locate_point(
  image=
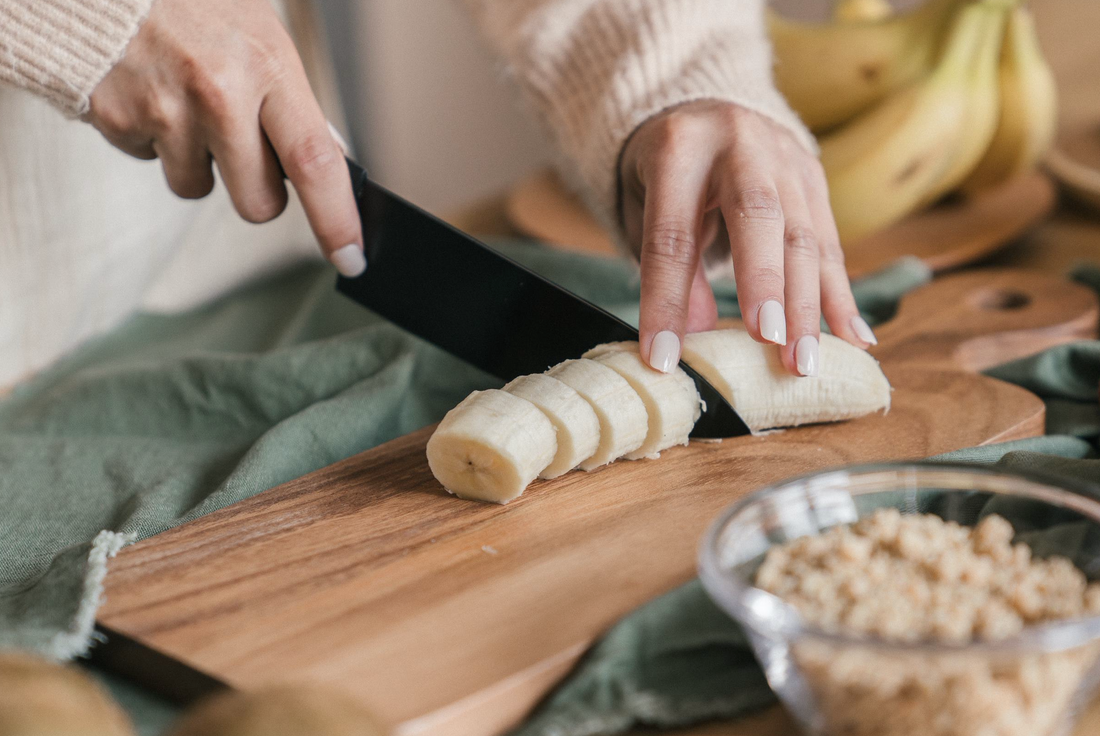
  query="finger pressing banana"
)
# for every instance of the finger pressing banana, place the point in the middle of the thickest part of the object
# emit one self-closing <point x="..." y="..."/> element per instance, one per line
<point x="609" y="405"/>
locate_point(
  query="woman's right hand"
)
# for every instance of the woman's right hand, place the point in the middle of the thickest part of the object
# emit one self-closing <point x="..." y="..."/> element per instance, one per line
<point x="220" y="81"/>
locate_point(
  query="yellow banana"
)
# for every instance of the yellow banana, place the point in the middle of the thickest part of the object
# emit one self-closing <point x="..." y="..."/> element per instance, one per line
<point x="1029" y="108"/>
<point x="885" y="163"/>
<point x="831" y="72"/>
<point x="983" y="109"/>
<point x="862" y="11"/>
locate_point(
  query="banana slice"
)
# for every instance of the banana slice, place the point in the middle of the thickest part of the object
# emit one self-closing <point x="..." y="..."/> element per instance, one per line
<point x="491" y="446"/>
<point x="751" y="377"/>
<point x="670" y="399"/>
<point x="573" y="417"/>
<point x="622" y="414"/>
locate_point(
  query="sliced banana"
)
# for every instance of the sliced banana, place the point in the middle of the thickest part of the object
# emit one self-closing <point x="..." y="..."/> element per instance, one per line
<point x="751" y="377"/>
<point x="671" y="400"/>
<point x="491" y="446"/>
<point x="622" y="414"/>
<point x="578" y="427"/>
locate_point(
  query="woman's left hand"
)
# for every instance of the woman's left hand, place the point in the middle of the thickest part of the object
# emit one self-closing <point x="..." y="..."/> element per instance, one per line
<point x="691" y="165"/>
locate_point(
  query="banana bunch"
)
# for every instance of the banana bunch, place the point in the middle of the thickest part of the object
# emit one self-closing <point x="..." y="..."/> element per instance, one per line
<point x="954" y="96"/>
<point x="610" y="405"/>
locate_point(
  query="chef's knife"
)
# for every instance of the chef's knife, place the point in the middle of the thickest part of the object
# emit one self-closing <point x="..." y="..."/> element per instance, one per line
<point x="449" y="289"/>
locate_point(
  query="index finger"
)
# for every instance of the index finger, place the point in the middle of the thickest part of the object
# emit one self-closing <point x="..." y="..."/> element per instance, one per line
<point x="314" y="163"/>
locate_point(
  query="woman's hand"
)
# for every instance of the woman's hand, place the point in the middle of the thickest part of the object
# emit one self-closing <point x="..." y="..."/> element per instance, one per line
<point x="221" y="81"/>
<point x="688" y="167"/>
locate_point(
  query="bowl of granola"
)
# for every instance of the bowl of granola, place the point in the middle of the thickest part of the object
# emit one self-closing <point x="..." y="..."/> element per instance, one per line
<point x="931" y="599"/>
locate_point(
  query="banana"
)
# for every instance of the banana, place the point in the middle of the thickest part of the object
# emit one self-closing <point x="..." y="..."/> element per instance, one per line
<point x="623" y="419"/>
<point x="671" y="401"/>
<point x="1029" y="108"/>
<point x="832" y="72"/>
<point x="578" y="427"/>
<point x="983" y="108"/>
<point x="491" y="446"/>
<point x="887" y="162"/>
<point x="862" y="11"/>
<point x="751" y="377"/>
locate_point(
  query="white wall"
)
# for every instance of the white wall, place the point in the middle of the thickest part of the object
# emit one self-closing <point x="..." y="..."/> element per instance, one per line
<point x="433" y="117"/>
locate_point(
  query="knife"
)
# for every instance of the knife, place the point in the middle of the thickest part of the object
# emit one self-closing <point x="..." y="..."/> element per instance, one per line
<point x="444" y="286"/>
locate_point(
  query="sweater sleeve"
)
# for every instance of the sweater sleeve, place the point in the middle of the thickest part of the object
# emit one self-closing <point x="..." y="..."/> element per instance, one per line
<point x="61" y="49"/>
<point x="594" y="70"/>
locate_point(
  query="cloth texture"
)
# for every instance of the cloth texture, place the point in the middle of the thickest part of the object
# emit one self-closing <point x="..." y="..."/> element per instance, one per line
<point x="594" y="70"/>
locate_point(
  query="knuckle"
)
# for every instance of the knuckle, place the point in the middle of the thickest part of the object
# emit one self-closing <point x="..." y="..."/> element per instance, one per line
<point x="804" y="311"/>
<point x="671" y="243"/>
<point x="832" y="255"/>
<point x="312" y="158"/>
<point x="675" y="132"/>
<point x="262" y="208"/>
<point x="800" y="240"/>
<point x="211" y="88"/>
<point x="758" y="203"/>
<point x="768" y="279"/>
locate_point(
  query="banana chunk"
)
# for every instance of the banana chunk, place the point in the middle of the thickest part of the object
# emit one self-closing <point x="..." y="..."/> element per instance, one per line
<point x="578" y="427"/>
<point x="750" y="376"/>
<point x="624" y="422"/>
<point x="670" y="399"/>
<point x="491" y="446"/>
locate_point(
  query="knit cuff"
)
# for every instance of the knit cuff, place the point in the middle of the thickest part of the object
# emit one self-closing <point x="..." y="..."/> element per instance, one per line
<point x="597" y="69"/>
<point x="62" y="49"/>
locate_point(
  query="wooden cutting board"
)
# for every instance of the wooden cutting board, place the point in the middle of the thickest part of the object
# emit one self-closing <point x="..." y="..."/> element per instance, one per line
<point x="946" y="236"/>
<point x="453" y="617"/>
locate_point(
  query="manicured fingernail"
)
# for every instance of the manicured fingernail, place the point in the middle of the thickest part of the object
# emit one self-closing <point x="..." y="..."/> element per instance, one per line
<point x="773" y="323"/>
<point x="863" y="330"/>
<point x="339" y="139"/>
<point x="349" y="260"/>
<point x="807" y="356"/>
<point x="664" y="352"/>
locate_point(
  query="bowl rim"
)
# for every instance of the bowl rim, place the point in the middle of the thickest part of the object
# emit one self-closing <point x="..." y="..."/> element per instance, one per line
<point x="728" y="593"/>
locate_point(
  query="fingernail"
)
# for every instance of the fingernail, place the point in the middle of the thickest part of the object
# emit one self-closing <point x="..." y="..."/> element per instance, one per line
<point x="863" y="330"/>
<point x="664" y="351"/>
<point x="807" y="355"/>
<point x="773" y="323"/>
<point x="349" y="260"/>
<point x="339" y="139"/>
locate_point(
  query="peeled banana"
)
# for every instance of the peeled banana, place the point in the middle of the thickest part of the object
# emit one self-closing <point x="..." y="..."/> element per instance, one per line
<point x="1028" y="111"/>
<point x="578" y="427"/>
<point x="624" y="422"/>
<point x="610" y="405"/>
<point x="886" y="163"/>
<point x="671" y="399"/>
<point x="832" y="72"/>
<point x="751" y="377"/>
<point x="491" y="446"/>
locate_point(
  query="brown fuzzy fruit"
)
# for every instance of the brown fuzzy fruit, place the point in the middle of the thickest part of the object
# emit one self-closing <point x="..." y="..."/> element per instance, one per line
<point x="284" y="710"/>
<point x="41" y="698"/>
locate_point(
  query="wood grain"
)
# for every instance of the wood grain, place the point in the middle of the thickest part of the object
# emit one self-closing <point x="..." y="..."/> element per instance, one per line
<point x="947" y="236"/>
<point x="451" y="617"/>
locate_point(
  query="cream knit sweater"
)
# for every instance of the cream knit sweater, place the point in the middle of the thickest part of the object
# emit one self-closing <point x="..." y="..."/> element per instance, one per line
<point x="592" y="71"/>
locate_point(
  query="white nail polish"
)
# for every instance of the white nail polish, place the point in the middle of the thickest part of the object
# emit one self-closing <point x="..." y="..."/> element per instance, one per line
<point x="664" y="351"/>
<point x="773" y="322"/>
<point x="349" y="260"/>
<point x="807" y="355"/>
<point x="863" y="330"/>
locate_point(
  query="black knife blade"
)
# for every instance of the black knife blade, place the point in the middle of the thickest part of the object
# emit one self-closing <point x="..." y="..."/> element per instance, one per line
<point x="462" y="296"/>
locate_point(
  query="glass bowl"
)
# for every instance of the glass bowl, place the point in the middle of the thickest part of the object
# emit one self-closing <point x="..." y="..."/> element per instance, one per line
<point x="1035" y="683"/>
